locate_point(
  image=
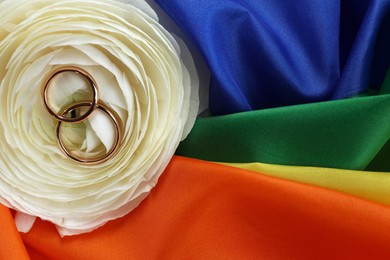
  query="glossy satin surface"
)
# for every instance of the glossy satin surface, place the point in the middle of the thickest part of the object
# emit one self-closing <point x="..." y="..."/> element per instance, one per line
<point x="266" y="53"/>
<point x="372" y="186"/>
<point x="295" y="83"/>
<point x="346" y="134"/>
<point x="206" y="210"/>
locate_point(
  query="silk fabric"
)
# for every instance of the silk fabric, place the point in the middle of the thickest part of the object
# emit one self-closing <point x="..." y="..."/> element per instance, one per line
<point x="346" y="134"/>
<point x="373" y="186"/>
<point x="206" y="210"/>
<point x="275" y="53"/>
<point x="269" y="60"/>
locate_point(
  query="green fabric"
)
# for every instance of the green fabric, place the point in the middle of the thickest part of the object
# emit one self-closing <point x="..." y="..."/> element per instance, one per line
<point x="344" y="134"/>
<point x="381" y="162"/>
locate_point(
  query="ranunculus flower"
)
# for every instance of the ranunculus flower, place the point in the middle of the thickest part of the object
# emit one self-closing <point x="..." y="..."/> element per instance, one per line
<point x="140" y="74"/>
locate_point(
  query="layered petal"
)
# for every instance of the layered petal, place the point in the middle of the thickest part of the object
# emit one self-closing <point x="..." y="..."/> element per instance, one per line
<point x="140" y="73"/>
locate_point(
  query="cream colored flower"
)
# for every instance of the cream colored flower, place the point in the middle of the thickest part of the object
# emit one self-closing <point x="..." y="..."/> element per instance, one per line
<point x="140" y="75"/>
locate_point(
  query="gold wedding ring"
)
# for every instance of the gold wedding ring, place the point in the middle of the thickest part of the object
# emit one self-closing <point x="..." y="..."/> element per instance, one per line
<point x="93" y="105"/>
<point x="118" y="133"/>
<point x="86" y="76"/>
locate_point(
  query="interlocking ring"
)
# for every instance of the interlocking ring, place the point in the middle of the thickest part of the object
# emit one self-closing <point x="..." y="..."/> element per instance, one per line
<point x="94" y="104"/>
<point x="85" y="75"/>
<point x="118" y="133"/>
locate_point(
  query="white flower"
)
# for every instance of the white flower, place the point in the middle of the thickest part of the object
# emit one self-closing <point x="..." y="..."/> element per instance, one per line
<point x="140" y="75"/>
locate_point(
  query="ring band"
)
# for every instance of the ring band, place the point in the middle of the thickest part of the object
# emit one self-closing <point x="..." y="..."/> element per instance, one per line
<point x="118" y="133"/>
<point x="62" y="116"/>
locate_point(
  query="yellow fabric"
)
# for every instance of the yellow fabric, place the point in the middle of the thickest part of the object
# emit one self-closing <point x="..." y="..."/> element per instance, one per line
<point x="374" y="186"/>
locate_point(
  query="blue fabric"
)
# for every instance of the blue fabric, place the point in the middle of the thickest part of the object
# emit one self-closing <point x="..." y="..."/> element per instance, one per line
<point x="270" y="53"/>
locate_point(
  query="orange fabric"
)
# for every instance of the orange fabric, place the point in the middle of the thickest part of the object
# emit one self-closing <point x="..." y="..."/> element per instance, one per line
<point x="11" y="245"/>
<point x="211" y="211"/>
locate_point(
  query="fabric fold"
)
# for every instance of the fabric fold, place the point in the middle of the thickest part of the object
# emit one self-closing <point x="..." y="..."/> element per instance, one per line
<point x="11" y="244"/>
<point x="204" y="210"/>
<point x="373" y="186"/>
<point x="344" y="134"/>
<point x="279" y="53"/>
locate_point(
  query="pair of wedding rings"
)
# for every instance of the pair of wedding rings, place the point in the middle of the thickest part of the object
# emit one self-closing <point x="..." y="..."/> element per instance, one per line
<point x="69" y="115"/>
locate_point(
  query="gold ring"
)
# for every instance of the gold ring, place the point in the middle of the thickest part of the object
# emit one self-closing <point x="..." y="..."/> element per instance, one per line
<point x="118" y="133"/>
<point x="61" y="116"/>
